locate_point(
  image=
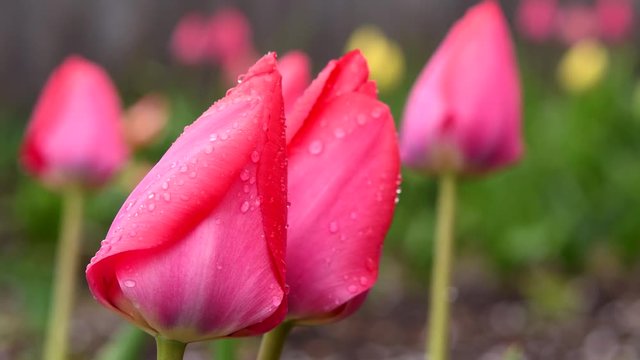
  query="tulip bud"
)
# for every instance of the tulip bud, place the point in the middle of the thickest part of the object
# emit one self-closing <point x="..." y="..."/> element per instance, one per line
<point x="615" y="19"/>
<point x="295" y="68"/>
<point x="75" y="134"/>
<point x="463" y="113"/>
<point x="536" y="19"/>
<point x="189" y="41"/>
<point x="197" y="250"/>
<point x="343" y="176"/>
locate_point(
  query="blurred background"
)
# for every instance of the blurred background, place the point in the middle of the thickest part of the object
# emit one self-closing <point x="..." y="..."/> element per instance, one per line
<point x="548" y="252"/>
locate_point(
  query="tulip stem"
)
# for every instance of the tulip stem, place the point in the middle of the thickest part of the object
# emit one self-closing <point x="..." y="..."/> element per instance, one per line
<point x="441" y="275"/>
<point x="224" y="349"/>
<point x="65" y="275"/>
<point x="169" y="349"/>
<point x="273" y="342"/>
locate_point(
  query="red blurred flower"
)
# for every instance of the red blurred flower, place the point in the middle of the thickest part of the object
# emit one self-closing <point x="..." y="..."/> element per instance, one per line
<point x="536" y="19"/>
<point x="197" y="250"/>
<point x="343" y="176"/>
<point x="189" y="41"/>
<point x="463" y="113"/>
<point x="75" y="134"/>
<point x="295" y="68"/>
<point x="615" y="19"/>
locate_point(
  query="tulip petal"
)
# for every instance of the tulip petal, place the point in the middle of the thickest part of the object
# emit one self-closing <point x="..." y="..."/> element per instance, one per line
<point x="295" y="68"/>
<point x="343" y="176"/>
<point x="174" y="260"/>
<point x="341" y="76"/>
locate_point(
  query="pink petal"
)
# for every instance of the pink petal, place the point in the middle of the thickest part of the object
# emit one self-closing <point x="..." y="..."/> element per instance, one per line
<point x="197" y="250"/>
<point x="295" y="68"/>
<point x="343" y="176"/>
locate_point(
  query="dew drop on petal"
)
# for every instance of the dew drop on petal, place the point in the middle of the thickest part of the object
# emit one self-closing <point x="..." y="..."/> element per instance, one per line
<point x="333" y="227"/>
<point x="338" y="133"/>
<point x="244" y="207"/>
<point x="361" y="119"/>
<point x="364" y="281"/>
<point x="352" y="288"/>
<point x="315" y="147"/>
<point x="129" y="283"/>
<point x="152" y="207"/>
<point x="166" y="197"/>
<point x="255" y="156"/>
<point x="245" y="175"/>
<point x="165" y="185"/>
<point x="370" y="264"/>
<point x="208" y="149"/>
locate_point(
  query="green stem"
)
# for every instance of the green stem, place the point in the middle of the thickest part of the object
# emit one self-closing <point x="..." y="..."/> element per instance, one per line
<point x="224" y="349"/>
<point x="65" y="275"/>
<point x="273" y="342"/>
<point x="441" y="276"/>
<point x="169" y="349"/>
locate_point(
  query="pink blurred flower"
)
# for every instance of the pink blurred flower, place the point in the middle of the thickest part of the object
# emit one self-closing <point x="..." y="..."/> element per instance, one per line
<point x="295" y="68"/>
<point x="615" y="19"/>
<point x="145" y="120"/>
<point x="230" y="36"/>
<point x="75" y="134"/>
<point x="577" y="22"/>
<point x="343" y="176"/>
<point x="190" y="42"/>
<point x="463" y="113"/>
<point x="197" y="250"/>
<point x="536" y="19"/>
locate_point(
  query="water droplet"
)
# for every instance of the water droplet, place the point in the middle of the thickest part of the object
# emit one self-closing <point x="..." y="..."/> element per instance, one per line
<point x="370" y="264"/>
<point x="244" y="207"/>
<point x="133" y="233"/>
<point x="255" y="156"/>
<point x="315" y="147"/>
<point x="165" y="185"/>
<point x="183" y="168"/>
<point x="245" y="175"/>
<point x="151" y="196"/>
<point x="364" y="281"/>
<point x="275" y="301"/>
<point x="152" y="206"/>
<point x="352" y="288"/>
<point x="333" y="227"/>
<point x="339" y="133"/>
<point x="208" y="149"/>
<point x="219" y="267"/>
<point x="361" y="119"/>
<point x="376" y="113"/>
<point x="129" y="283"/>
<point x="353" y="215"/>
<point x="193" y="174"/>
<point x="224" y="136"/>
<point x="213" y="137"/>
<point x="252" y="180"/>
<point x="246" y="188"/>
<point x="218" y="221"/>
<point x="241" y="78"/>
<point x="166" y="197"/>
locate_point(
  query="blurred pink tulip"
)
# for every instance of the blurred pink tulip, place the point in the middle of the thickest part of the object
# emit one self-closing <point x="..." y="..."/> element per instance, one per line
<point x="189" y="42"/>
<point x="577" y="22"/>
<point x="75" y="134"/>
<point x="615" y="19"/>
<point x="230" y="37"/>
<point x="463" y="113"/>
<point x="295" y="68"/>
<point x="145" y="120"/>
<point x="343" y="177"/>
<point x="197" y="250"/>
<point x="536" y="19"/>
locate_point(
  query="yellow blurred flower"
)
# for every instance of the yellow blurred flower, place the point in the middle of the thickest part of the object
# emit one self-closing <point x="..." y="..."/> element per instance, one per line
<point x="384" y="56"/>
<point x="583" y="66"/>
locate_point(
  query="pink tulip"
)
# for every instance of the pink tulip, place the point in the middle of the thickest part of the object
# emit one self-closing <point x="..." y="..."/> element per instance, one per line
<point x="189" y="42"/>
<point x="75" y="134"/>
<point x="343" y="176"/>
<point x="295" y="68"/>
<point x="615" y="19"/>
<point x="463" y="113"/>
<point x="229" y="35"/>
<point x="577" y="22"/>
<point x="536" y="19"/>
<point x="197" y="250"/>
